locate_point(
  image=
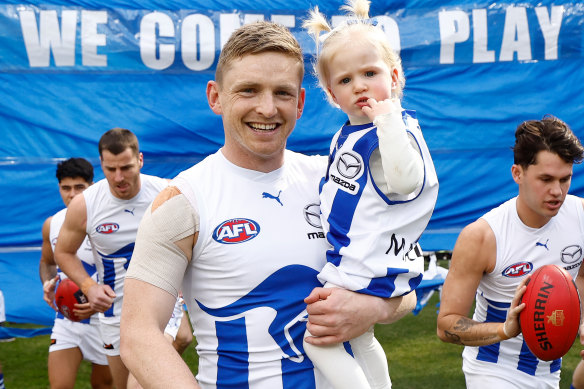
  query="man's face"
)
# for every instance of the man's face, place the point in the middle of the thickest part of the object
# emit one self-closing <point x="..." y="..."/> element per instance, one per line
<point x="70" y="187"/>
<point x="122" y="172"/>
<point x="259" y="99"/>
<point x="542" y="188"/>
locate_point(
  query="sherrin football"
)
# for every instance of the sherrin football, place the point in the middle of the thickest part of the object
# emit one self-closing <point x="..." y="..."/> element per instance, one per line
<point x="66" y="296"/>
<point x="551" y="316"/>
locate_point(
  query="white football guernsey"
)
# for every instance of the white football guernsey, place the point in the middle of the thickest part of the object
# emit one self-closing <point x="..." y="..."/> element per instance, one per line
<point x="259" y="249"/>
<point x="112" y="224"/>
<point x="370" y="233"/>
<point x="84" y="253"/>
<point x="521" y="250"/>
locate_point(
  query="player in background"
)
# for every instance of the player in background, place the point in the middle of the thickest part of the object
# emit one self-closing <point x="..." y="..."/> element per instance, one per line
<point x="235" y="232"/>
<point x="493" y="257"/>
<point x="380" y="188"/>
<point x="108" y="214"/>
<point x="71" y="342"/>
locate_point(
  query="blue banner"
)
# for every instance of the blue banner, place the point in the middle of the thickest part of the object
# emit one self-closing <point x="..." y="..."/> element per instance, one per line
<point x="70" y="70"/>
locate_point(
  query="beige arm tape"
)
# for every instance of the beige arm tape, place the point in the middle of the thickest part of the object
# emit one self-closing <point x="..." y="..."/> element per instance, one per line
<point x="403" y="167"/>
<point x="157" y="260"/>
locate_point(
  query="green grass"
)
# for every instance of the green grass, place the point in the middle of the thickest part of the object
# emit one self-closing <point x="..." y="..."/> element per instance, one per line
<point x="417" y="358"/>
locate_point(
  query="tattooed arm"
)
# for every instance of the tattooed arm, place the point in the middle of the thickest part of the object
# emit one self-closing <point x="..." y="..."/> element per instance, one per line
<point x="474" y="254"/>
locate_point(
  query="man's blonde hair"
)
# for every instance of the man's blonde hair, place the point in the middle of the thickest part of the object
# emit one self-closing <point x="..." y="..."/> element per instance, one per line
<point x="257" y="38"/>
<point x="358" y="23"/>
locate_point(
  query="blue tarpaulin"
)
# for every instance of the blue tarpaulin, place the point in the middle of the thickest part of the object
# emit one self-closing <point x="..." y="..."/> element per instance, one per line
<point x="70" y="70"/>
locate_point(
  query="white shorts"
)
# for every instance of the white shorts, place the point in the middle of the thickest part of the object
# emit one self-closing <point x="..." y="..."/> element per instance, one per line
<point x="486" y="375"/>
<point x="110" y="336"/>
<point x="67" y="334"/>
<point x="176" y="318"/>
<point x="2" y="308"/>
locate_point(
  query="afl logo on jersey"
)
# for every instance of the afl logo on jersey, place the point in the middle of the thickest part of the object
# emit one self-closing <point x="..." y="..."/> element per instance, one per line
<point x="236" y="231"/>
<point x="518" y="269"/>
<point x="107" y="228"/>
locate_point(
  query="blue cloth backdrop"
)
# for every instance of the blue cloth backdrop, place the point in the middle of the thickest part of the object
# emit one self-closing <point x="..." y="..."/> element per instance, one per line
<point x="70" y="70"/>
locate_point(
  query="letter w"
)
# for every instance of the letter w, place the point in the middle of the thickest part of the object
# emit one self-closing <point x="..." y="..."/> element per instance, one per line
<point x="40" y="41"/>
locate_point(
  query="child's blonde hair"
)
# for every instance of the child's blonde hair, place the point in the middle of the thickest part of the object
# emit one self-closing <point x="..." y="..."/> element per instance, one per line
<point x="358" y="21"/>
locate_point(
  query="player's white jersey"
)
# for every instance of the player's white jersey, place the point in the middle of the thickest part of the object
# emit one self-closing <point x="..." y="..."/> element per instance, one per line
<point x="560" y="242"/>
<point x="84" y="253"/>
<point x="259" y="249"/>
<point x="370" y="233"/>
<point x="112" y="224"/>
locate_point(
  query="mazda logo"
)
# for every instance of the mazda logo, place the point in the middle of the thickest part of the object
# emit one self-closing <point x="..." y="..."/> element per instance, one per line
<point x="349" y="165"/>
<point x="312" y="215"/>
<point x="571" y="254"/>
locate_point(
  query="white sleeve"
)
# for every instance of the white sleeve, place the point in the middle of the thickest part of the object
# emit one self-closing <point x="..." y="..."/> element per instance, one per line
<point x="403" y="167"/>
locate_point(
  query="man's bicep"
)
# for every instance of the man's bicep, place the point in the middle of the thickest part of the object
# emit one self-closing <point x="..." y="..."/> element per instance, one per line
<point x="72" y="231"/>
<point x="473" y="256"/>
<point x="47" y="256"/>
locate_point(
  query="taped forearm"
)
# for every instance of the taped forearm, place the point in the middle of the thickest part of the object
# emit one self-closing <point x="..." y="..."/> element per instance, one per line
<point x="403" y="167"/>
<point x="156" y="258"/>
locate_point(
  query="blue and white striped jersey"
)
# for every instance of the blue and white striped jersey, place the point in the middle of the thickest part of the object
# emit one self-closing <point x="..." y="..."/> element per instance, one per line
<point x="259" y="249"/>
<point x="112" y="225"/>
<point x="520" y="251"/>
<point x="370" y="232"/>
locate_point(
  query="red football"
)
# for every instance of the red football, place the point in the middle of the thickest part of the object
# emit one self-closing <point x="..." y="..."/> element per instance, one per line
<point x="551" y="316"/>
<point x="66" y="296"/>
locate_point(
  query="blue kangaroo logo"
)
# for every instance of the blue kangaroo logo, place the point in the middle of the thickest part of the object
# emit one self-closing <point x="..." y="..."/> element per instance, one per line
<point x="267" y="195"/>
<point x="288" y="327"/>
<point x="109" y="268"/>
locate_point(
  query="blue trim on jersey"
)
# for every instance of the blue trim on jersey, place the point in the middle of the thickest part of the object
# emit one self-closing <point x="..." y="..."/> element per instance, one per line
<point x="298" y="375"/>
<point x="287" y="329"/>
<point x="527" y="361"/>
<point x="556" y="365"/>
<point x="344" y="203"/>
<point x="109" y="270"/>
<point x="384" y="286"/>
<point x="90" y="269"/>
<point x="232" y="372"/>
<point x="496" y="313"/>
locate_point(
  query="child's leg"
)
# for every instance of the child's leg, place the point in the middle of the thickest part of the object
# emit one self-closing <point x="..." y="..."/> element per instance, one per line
<point x="371" y="357"/>
<point x="338" y="367"/>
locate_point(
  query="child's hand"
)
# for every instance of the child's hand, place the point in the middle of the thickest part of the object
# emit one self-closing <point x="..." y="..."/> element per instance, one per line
<point x="376" y="108"/>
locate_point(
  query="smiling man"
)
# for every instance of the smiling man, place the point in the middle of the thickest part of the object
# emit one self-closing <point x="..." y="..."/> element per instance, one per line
<point x="234" y="231"/>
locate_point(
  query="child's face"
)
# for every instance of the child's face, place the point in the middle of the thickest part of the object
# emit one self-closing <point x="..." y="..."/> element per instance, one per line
<point x="357" y="72"/>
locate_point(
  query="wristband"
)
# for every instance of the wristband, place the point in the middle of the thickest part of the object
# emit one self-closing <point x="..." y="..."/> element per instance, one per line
<point x="86" y="284"/>
<point x="501" y="332"/>
<point x="45" y="284"/>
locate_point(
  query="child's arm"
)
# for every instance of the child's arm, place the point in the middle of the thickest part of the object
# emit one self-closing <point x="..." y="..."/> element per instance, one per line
<point x="403" y="167"/>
